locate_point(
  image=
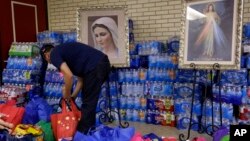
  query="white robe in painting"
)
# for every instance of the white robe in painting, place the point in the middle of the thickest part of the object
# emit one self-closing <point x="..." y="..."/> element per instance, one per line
<point x="211" y="35"/>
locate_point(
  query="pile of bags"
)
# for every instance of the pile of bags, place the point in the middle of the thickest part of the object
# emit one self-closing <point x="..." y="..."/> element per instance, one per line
<point x="36" y="122"/>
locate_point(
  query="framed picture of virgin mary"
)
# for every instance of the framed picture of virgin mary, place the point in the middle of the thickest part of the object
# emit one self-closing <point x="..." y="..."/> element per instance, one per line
<point x="106" y="29"/>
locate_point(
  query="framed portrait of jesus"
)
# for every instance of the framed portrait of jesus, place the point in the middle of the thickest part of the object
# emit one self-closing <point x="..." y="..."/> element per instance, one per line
<point x="211" y="34"/>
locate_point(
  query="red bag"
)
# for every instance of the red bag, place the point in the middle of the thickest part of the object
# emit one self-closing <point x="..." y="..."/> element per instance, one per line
<point x="10" y="113"/>
<point x="64" y="124"/>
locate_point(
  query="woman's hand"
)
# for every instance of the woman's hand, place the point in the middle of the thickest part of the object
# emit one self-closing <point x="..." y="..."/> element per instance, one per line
<point x="6" y="125"/>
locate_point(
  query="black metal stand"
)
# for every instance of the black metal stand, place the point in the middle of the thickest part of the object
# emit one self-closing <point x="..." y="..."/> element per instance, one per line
<point x="205" y="128"/>
<point x="201" y="129"/>
<point x="216" y="67"/>
<point x="106" y="114"/>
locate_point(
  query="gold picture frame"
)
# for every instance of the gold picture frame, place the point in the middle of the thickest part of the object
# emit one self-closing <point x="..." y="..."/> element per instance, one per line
<point x="211" y="33"/>
<point x="113" y="39"/>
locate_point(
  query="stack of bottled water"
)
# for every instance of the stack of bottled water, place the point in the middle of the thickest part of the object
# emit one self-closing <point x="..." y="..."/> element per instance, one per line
<point x="22" y="49"/>
<point x="23" y="67"/>
<point x="182" y="96"/>
<point x="227" y="114"/>
<point x="53" y="85"/>
<point x="187" y="76"/>
<point x="146" y="93"/>
<point x="49" y="37"/>
<point x="11" y="92"/>
<point x="244" y="108"/>
<point x="70" y="36"/>
<point x="149" y="47"/>
<point x="229" y="93"/>
<point x="232" y="90"/>
<point x="56" y="37"/>
<point x="234" y="77"/>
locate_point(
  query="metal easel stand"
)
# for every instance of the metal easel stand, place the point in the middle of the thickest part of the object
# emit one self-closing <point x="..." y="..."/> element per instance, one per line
<point x="216" y="67"/>
<point x="106" y="115"/>
<point x="203" y="129"/>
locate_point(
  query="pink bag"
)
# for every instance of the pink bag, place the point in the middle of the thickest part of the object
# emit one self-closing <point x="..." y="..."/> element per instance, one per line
<point x="137" y="137"/>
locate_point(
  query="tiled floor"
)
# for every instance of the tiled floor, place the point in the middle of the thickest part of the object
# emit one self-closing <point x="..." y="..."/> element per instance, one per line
<point x="165" y="131"/>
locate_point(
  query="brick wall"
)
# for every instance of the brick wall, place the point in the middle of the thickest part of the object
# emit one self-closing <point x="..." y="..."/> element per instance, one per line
<point x="153" y="19"/>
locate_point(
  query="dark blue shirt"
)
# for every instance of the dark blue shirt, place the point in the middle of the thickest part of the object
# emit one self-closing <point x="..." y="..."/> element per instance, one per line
<point x="79" y="57"/>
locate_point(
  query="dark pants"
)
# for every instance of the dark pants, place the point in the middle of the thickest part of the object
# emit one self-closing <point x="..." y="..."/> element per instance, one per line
<point x="92" y="83"/>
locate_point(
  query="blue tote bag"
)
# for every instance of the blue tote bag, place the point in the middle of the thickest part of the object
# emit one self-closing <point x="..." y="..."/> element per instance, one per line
<point x="105" y="133"/>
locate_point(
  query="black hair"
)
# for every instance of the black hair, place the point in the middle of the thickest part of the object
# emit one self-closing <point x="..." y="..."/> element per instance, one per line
<point x="46" y="48"/>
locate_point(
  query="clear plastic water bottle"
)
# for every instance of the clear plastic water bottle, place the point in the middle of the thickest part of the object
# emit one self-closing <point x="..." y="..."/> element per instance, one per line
<point x="140" y="88"/>
<point x="216" y="109"/>
<point x="244" y="95"/>
<point x="135" y="75"/>
<point x="150" y="74"/>
<point x="23" y="64"/>
<point x="123" y="88"/>
<point x="208" y="108"/>
<point x="123" y="101"/>
<point x="121" y="75"/>
<point x="215" y="91"/>
<point x="135" y="116"/>
<point x="197" y="108"/>
<point x="130" y="89"/>
<point x="149" y="117"/>
<point x="238" y="96"/>
<point x="137" y="104"/>
<point x="129" y="114"/>
<point x="9" y="63"/>
<point x="114" y="101"/>
<point x="147" y="88"/>
<point x="112" y="88"/>
<point x="135" y="89"/>
<point x="185" y="121"/>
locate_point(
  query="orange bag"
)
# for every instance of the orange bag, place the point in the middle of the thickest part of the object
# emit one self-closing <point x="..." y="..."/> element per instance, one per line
<point x="64" y="124"/>
<point x="11" y="113"/>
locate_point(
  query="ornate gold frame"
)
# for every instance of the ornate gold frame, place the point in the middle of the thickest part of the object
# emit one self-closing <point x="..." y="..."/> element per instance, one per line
<point x="185" y="41"/>
<point x="121" y="12"/>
